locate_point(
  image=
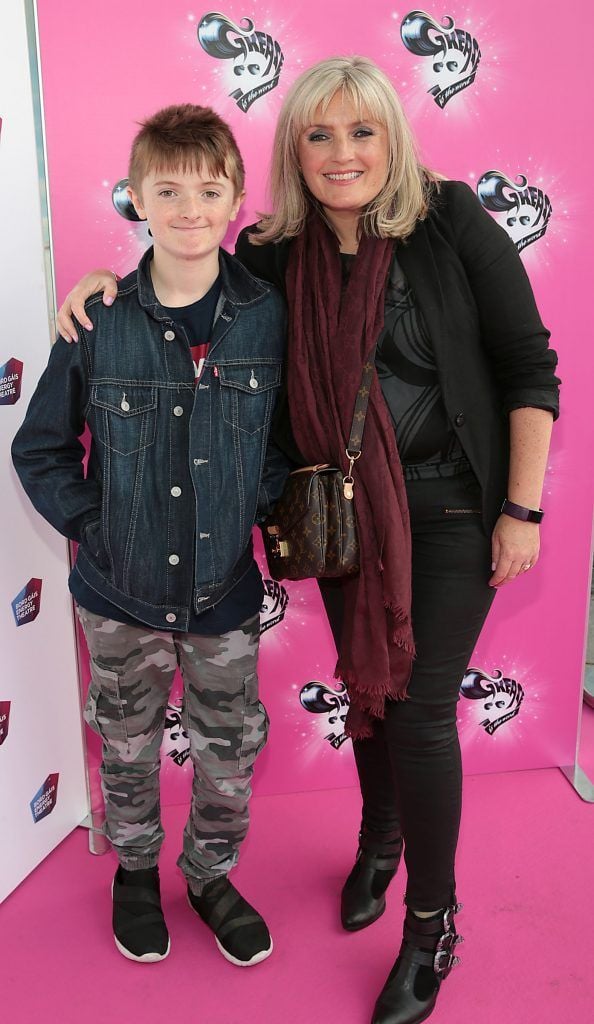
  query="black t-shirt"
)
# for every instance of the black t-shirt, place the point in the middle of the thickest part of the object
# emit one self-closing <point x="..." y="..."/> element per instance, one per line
<point x="407" y="372"/>
<point x="196" y="320"/>
<point x="405" y="362"/>
<point x="245" y="600"/>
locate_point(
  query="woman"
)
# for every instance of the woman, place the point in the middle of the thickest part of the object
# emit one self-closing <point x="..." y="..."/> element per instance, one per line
<point x="372" y="249"/>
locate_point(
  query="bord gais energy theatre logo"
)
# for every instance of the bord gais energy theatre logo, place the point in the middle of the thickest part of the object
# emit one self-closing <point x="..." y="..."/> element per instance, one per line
<point x="452" y="54"/>
<point x="27" y="603"/>
<point x="256" y="58"/>
<point x="4" y="719"/>
<point x="11" y="375"/>
<point x="45" y="798"/>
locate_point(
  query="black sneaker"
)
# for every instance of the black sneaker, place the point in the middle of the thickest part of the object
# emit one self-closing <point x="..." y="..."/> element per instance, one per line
<point x="139" y="927"/>
<point x="240" y="933"/>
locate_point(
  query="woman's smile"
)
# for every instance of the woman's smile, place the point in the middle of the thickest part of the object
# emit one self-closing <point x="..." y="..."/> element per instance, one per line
<point x="344" y="178"/>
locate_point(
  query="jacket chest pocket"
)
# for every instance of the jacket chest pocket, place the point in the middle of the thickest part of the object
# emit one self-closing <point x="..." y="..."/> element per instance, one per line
<point x="247" y="394"/>
<point x="126" y="416"/>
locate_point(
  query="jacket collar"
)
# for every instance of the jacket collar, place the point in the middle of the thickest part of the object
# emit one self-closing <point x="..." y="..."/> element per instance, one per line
<point x="238" y="286"/>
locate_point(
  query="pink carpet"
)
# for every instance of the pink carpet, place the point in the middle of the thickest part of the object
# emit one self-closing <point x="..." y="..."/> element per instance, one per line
<point x="525" y="876"/>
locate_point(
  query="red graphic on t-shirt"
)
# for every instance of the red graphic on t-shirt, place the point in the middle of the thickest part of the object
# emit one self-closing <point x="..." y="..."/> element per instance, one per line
<point x="199" y="354"/>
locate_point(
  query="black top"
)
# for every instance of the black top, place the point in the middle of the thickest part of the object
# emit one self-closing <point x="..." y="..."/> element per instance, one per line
<point x="490" y="345"/>
<point x="196" y="320"/>
<point x="406" y="369"/>
<point x="245" y="600"/>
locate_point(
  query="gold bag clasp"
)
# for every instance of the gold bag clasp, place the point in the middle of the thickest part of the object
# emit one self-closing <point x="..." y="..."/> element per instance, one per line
<point x="280" y="548"/>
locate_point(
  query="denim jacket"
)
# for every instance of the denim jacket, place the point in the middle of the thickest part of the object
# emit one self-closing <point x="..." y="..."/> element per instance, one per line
<point x="177" y="473"/>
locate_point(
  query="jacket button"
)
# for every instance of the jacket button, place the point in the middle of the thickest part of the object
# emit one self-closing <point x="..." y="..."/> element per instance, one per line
<point x="175" y="492"/>
<point x="173" y="559"/>
<point x="178" y="410"/>
<point x="170" y="617"/>
<point x="460" y="419"/>
<point x="169" y="335"/>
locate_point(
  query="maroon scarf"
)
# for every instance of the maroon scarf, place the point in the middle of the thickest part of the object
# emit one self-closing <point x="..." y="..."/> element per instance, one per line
<point x="329" y="340"/>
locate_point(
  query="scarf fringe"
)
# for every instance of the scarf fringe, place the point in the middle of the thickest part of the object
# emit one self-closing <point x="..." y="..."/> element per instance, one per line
<point x="362" y="730"/>
<point x="372" y="698"/>
<point x="397" y="611"/>
<point x="359" y="720"/>
<point x="404" y="643"/>
<point x="367" y="704"/>
<point x="402" y="634"/>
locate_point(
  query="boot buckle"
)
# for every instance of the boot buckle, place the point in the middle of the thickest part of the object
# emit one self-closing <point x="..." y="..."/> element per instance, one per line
<point x="445" y="958"/>
<point x="443" y="962"/>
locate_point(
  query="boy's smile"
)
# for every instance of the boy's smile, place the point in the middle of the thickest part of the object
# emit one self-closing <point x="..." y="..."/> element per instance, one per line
<point x="188" y="213"/>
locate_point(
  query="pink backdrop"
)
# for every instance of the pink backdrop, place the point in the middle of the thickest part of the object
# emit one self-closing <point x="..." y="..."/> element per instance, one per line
<point x="515" y="102"/>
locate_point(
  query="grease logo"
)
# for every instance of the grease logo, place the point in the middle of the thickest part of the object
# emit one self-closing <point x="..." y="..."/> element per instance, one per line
<point x="45" y="799"/>
<point x="11" y="375"/>
<point x="274" y="604"/>
<point x="500" y="697"/>
<point x="333" y="705"/>
<point x="122" y="202"/>
<point x="522" y="209"/>
<point x="4" y="719"/>
<point x="256" y="57"/>
<point x="27" y="603"/>
<point x="453" y="52"/>
<point x="176" y="743"/>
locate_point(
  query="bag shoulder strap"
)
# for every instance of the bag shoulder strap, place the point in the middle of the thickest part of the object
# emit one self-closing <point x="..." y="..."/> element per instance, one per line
<point x="361" y="403"/>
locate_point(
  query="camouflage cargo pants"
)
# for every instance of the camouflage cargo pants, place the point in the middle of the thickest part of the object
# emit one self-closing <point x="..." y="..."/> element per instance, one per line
<point x="132" y="670"/>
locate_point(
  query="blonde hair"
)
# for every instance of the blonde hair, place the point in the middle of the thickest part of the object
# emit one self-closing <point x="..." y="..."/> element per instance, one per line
<point x="185" y="137"/>
<point x="404" y="198"/>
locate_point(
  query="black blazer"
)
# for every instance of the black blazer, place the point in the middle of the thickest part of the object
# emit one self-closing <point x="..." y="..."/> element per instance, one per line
<point x="491" y="347"/>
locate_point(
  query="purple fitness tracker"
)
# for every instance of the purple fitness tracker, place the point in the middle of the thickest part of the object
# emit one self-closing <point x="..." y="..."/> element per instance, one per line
<point x="527" y="515"/>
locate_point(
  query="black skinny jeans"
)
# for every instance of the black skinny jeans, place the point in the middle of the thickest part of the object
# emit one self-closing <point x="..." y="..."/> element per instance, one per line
<point x="410" y="769"/>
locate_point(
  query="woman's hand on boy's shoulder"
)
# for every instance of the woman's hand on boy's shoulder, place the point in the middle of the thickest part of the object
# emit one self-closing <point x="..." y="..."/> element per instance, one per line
<point x="74" y="304"/>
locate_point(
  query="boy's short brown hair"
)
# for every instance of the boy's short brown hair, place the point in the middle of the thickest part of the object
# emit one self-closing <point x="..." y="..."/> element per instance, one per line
<point x="186" y="138"/>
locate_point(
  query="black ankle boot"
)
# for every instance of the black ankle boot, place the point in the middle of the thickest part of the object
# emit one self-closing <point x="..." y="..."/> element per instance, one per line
<point x="363" y="897"/>
<point x="426" y="957"/>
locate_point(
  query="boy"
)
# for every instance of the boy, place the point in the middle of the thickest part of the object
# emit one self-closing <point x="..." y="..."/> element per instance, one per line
<point x="177" y="385"/>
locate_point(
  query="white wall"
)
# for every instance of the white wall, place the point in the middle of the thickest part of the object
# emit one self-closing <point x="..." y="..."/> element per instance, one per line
<point x="38" y="672"/>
